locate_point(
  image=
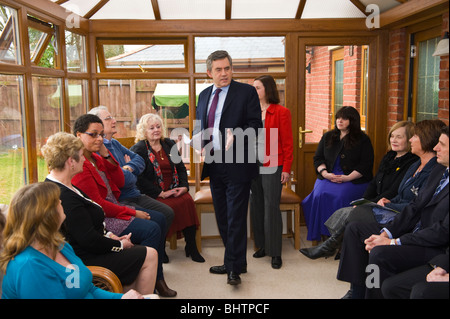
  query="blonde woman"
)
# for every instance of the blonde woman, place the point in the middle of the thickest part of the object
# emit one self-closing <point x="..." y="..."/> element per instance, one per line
<point x="165" y="179"/>
<point x="37" y="260"/>
<point x="135" y="265"/>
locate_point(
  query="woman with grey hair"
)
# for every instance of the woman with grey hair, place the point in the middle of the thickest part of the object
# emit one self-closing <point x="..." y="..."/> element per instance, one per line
<point x="165" y="179"/>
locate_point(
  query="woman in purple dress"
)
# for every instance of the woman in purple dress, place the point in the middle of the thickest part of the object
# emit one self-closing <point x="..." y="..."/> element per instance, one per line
<point x="344" y="162"/>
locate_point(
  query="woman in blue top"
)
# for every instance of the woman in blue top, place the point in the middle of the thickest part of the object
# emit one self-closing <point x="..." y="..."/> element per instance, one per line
<point x="37" y="262"/>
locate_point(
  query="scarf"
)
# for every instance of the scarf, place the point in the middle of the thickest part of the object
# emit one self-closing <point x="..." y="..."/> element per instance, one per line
<point x="159" y="177"/>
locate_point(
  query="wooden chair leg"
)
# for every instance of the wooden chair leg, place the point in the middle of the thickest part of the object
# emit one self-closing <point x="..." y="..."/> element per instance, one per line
<point x="297" y="227"/>
<point x="173" y="241"/>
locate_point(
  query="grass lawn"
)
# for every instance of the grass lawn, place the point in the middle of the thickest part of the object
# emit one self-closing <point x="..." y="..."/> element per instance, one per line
<point x="12" y="173"/>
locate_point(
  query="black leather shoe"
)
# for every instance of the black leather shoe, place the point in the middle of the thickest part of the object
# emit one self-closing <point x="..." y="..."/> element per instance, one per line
<point x="276" y="262"/>
<point x="259" y="253"/>
<point x="221" y="270"/>
<point x="233" y="279"/>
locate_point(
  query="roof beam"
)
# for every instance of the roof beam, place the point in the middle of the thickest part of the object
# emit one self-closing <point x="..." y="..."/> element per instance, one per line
<point x="156" y="11"/>
<point x="95" y="8"/>
<point x="228" y="4"/>
<point x="301" y="7"/>
<point x="360" y="6"/>
<point x="411" y="9"/>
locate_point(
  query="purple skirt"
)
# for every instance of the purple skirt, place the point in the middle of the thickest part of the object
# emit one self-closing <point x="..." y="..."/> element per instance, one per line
<point x="324" y="200"/>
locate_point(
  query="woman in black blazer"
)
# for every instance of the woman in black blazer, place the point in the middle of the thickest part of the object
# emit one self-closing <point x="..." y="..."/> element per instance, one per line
<point x="83" y="228"/>
<point x="344" y="162"/>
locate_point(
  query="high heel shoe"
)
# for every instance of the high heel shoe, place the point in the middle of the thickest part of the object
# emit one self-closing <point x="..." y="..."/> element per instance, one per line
<point x="194" y="254"/>
<point x="163" y="290"/>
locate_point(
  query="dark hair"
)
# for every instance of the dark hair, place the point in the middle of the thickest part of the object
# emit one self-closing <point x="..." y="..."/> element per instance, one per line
<point x="429" y="132"/>
<point x="445" y="130"/>
<point x="82" y="123"/>
<point x="270" y="86"/>
<point x="217" y="55"/>
<point x="354" y="128"/>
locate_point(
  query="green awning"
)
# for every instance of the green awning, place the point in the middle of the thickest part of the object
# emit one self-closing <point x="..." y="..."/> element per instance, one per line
<point x="175" y="94"/>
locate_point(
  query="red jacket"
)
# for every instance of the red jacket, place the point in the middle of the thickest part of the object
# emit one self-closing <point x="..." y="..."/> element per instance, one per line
<point x="278" y="117"/>
<point x="91" y="183"/>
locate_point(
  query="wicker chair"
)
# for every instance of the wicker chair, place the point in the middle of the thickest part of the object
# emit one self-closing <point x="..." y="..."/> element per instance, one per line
<point x="105" y="279"/>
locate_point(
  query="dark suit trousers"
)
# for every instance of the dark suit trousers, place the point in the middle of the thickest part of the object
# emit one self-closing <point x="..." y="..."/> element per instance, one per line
<point x="390" y="260"/>
<point x="413" y="284"/>
<point x="231" y="206"/>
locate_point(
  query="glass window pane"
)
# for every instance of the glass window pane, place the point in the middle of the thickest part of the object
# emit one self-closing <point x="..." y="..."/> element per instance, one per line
<point x="144" y="56"/>
<point x="75" y="52"/>
<point x="249" y="54"/>
<point x="78" y="99"/>
<point x="47" y="113"/>
<point x="9" y="36"/>
<point x="12" y="147"/>
<point x="428" y="81"/>
<point x="43" y="43"/>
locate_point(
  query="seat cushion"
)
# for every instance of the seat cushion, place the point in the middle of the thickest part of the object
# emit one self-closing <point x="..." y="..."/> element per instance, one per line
<point x="203" y="196"/>
<point x="288" y="196"/>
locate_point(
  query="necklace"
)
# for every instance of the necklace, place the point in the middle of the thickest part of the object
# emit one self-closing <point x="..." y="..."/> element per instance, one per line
<point x="161" y="154"/>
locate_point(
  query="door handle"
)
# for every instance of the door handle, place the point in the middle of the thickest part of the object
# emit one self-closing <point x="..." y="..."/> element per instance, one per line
<point x="300" y="136"/>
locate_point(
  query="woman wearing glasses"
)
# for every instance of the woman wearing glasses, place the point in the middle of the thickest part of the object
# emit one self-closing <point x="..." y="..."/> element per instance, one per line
<point x="101" y="179"/>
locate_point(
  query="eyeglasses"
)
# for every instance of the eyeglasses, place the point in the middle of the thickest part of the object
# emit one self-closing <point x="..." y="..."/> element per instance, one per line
<point x="108" y="118"/>
<point x="94" y="135"/>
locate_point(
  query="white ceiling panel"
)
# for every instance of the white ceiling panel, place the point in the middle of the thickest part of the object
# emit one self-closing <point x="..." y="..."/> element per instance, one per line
<point x="216" y="9"/>
<point x="80" y="7"/>
<point x="130" y="9"/>
<point x="323" y="9"/>
<point x="264" y="9"/>
<point x="191" y="9"/>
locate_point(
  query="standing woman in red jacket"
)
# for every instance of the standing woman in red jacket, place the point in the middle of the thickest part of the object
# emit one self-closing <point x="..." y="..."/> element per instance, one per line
<point x="275" y="148"/>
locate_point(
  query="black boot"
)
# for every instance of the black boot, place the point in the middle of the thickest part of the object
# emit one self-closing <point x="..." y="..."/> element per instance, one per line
<point x="325" y="249"/>
<point x="191" y="246"/>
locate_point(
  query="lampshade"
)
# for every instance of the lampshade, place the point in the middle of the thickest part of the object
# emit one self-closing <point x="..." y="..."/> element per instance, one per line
<point x="442" y="47"/>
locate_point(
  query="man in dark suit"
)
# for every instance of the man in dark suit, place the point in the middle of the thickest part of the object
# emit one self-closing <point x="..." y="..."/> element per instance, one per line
<point x="419" y="233"/>
<point x="230" y="164"/>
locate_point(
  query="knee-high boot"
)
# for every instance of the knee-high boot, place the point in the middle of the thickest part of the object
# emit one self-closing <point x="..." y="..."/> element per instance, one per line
<point x="325" y="249"/>
<point x="191" y="245"/>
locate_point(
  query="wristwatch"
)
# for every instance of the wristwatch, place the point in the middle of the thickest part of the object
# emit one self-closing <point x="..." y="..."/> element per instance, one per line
<point x="393" y="242"/>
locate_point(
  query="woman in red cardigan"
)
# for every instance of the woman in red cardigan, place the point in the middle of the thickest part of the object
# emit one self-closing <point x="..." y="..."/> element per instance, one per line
<point x="101" y="179"/>
<point x="275" y="148"/>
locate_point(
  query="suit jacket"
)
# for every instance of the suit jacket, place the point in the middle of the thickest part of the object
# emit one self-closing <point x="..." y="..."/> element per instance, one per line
<point x="242" y="110"/>
<point x="83" y="227"/>
<point x="359" y="157"/>
<point x="147" y="180"/>
<point x="279" y="117"/>
<point x="90" y="182"/>
<point x="431" y="211"/>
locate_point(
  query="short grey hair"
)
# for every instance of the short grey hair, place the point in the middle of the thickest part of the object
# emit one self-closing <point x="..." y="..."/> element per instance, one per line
<point x="96" y="110"/>
<point x="217" y="55"/>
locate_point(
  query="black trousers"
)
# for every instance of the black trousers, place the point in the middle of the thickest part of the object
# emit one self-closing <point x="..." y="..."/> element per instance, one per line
<point x="413" y="284"/>
<point x="360" y="268"/>
<point x="231" y="205"/>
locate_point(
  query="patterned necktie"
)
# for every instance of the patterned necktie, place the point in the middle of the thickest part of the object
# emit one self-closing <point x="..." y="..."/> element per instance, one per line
<point x="441" y="182"/>
<point x="212" y="109"/>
